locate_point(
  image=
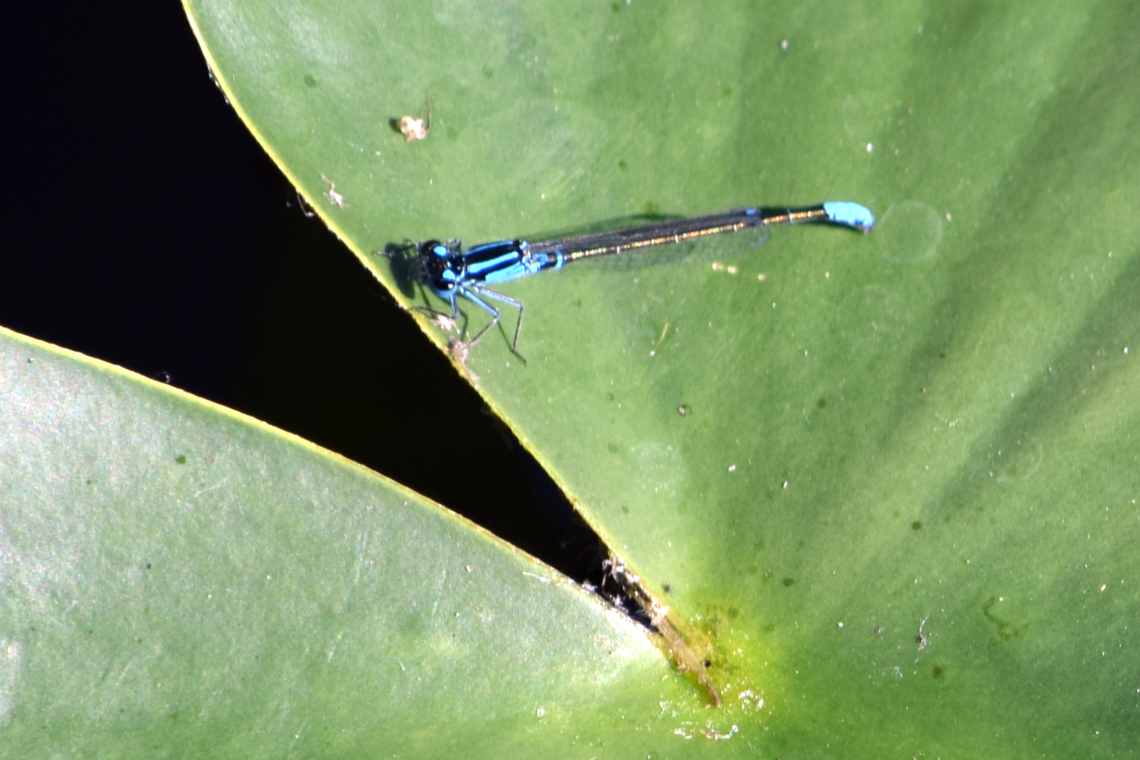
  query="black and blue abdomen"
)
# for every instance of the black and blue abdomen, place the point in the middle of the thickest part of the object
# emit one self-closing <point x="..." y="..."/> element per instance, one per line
<point x="507" y="260"/>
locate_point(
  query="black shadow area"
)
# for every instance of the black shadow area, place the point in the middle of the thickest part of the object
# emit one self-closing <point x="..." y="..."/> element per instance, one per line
<point x="144" y="226"/>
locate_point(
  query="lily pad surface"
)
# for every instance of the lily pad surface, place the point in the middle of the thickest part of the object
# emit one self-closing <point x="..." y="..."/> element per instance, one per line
<point x="886" y="483"/>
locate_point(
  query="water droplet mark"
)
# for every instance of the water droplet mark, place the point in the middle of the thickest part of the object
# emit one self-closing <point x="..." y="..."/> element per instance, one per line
<point x="859" y="116"/>
<point x="872" y="316"/>
<point x="1014" y="459"/>
<point x="658" y="471"/>
<point x="909" y="232"/>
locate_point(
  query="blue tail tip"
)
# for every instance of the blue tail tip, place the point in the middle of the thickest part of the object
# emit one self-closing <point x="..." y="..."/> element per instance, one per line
<point x="850" y="214"/>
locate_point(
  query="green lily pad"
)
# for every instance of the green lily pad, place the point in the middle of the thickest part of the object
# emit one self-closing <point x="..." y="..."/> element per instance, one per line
<point x="180" y="579"/>
<point x="888" y="481"/>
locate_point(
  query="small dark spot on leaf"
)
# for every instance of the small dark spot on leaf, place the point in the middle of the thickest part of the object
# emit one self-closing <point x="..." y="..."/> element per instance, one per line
<point x="822" y="403"/>
<point x="651" y="208"/>
<point x="917" y="525"/>
<point x="616" y="7"/>
<point x="1005" y="629"/>
<point x="621" y="164"/>
<point x="148" y="566"/>
<point x="726" y="90"/>
<point x="412" y="625"/>
<point x="937" y="670"/>
<point x="612" y="448"/>
<point x="180" y="459"/>
<point x="625" y="510"/>
<point x="941" y="354"/>
<point x="788" y="581"/>
<point x="668" y="589"/>
<point x="309" y="81"/>
<point x="708" y="663"/>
